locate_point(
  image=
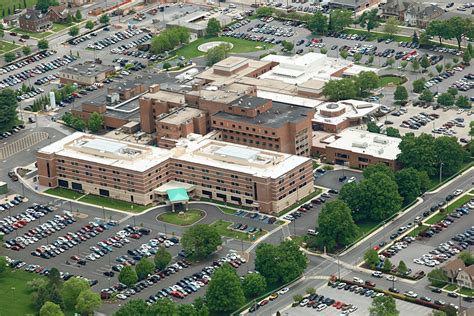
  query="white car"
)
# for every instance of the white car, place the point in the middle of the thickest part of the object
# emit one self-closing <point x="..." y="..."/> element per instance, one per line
<point x="304" y="302"/>
<point x="457" y="192"/>
<point x="283" y="291"/>
<point x="411" y="294"/>
<point x="321" y="307"/>
<point x="418" y="261"/>
<point x="358" y="280"/>
<point x="391" y="278"/>
<point x="351" y="179"/>
<point x="377" y="274"/>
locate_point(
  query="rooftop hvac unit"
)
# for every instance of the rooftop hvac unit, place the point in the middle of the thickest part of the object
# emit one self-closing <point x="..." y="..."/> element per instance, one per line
<point x="380" y="151"/>
<point x="380" y="140"/>
<point x="359" y="145"/>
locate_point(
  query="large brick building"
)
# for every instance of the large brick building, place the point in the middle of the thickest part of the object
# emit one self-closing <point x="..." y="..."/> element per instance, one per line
<point x="265" y="180"/>
<point x="35" y="21"/>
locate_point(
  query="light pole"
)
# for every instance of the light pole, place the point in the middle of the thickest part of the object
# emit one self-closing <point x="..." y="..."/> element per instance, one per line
<point x="440" y="171"/>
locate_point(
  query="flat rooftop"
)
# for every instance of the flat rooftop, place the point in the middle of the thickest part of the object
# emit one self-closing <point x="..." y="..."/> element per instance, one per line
<point x="279" y="115"/>
<point x="86" y="69"/>
<point x="364" y="142"/>
<point x="289" y="99"/>
<point x="226" y="95"/>
<point x="181" y="115"/>
<point x="248" y="101"/>
<point x="165" y="96"/>
<point x="196" y="149"/>
<point x="353" y="109"/>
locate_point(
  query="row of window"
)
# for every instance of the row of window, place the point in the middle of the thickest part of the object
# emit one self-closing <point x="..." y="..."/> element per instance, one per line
<point x="246" y="128"/>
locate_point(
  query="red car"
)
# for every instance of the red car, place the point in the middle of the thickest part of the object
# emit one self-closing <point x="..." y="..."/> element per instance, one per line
<point x="263" y="303"/>
<point x="177" y="294"/>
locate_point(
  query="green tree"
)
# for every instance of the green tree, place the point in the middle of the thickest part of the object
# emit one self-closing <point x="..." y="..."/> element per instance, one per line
<point x="323" y="50"/>
<point x="404" y="64"/>
<point x="78" y="15"/>
<point x="336" y="226"/>
<point x="144" y="268"/>
<point x="9" y="57"/>
<point x="401" y="94"/>
<point x="132" y="308"/>
<point x="318" y="23"/>
<point x="224" y="293"/>
<point x="163" y="306"/>
<point x="369" y="20"/>
<point x="8" y="105"/>
<point x="418" y="152"/>
<point x="3" y="264"/>
<point x="280" y="264"/>
<point x="48" y="292"/>
<point x="89" y="25"/>
<point x="438" y="28"/>
<point x="439" y="68"/>
<point x="415" y="65"/>
<point x="216" y="54"/>
<point x="26" y="50"/>
<point x="264" y="11"/>
<point x="104" y="19"/>
<point x="402" y="268"/>
<point x="426" y="96"/>
<point x="254" y="285"/>
<point x="166" y="66"/>
<point x="466" y="58"/>
<point x="54" y="277"/>
<point x="373" y="128"/>
<point x="466" y="257"/>
<point x="371" y="258"/>
<point x="446" y="99"/>
<point x="339" y="19"/>
<point x="419" y="85"/>
<point x="162" y="258"/>
<point x="74" y="31"/>
<point x="383" y="306"/>
<point x="343" y="53"/>
<point x="366" y="81"/>
<point x="390" y="61"/>
<point x="128" y="276"/>
<point x="50" y="309"/>
<point x="213" y="27"/>
<point x="370" y="60"/>
<point x="95" y="122"/>
<point x="459" y="27"/>
<point x="409" y="185"/>
<point x="452" y="91"/>
<point x="449" y="310"/>
<point x="78" y="123"/>
<point x="87" y="301"/>
<point x="43" y="44"/>
<point x="392" y="132"/>
<point x="438" y="277"/>
<point x="463" y="102"/>
<point x="187" y="310"/>
<point x="387" y="265"/>
<point x="201" y="240"/>
<point x="288" y="46"/>
<point x="68" y="20"/>
<point x="342" y="89"/>
<point x="378" y="168"/>
<point x="425" y="63"/>
<point x="43" y="5"/>
<point x="391" y="26"/>
<point x="71" y="289"/>
<point x="450" y="153"/>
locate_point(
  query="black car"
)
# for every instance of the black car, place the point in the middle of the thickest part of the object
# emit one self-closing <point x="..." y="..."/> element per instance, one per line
<point x="394" y="290"/>
<point x="436" y="290"/>
<point x="342" y="178"/>
<point x="452" y="294"/>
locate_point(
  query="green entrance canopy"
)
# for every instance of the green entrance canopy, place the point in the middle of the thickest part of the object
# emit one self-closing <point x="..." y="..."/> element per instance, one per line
<point x="177" y="195"/>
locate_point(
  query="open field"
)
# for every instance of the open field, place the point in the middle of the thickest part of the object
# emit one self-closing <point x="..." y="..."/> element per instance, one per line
<point x="15" y="299"/>
<point x="188" y="217"/>
<point x="240" y="46"/>
<point x="5" y="47"/>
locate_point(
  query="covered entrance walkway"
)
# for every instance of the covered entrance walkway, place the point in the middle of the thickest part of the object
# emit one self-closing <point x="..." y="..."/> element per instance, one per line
<point x="174" y="193"/>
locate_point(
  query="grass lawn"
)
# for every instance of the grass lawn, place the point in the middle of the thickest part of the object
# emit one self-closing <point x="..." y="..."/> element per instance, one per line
<point x="315" y="165"/>
<point x="57" y="27"/>
<point x="279" y="222"/>
<point x="5" y="47"/>
<point x="385" y="81"/>
<point x="35" y="35"/>
<point x="375" y="35"/>
<point x="450" y="287"/>
<point x="227" y="210"/>
<point x="365" y="228"/>
<point x="466" y="291"/>
<point x="451" y="207"/>
<point x="472" y="192"/>
<point x="240" y="46"/>
<point x="5" y="4"/>
<point x="112" y="203"/>
<point x="64" y="193"/>
<point x="417" y="230"/>
<point x="15" y="299"/>
<point x="221" y="227"/>
<point x="302" y="201"/>
<point x="189" y="217"/>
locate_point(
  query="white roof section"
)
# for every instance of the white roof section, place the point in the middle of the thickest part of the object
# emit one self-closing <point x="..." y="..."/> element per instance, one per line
<point x="298" y="69"/>
<point x="364" y="142"/>
<point x="289" y="99"/>
<point x="354" y="109"/>
<point x="197" y="149"/>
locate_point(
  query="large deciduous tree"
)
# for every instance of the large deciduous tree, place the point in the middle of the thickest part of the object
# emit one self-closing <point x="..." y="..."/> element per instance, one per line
<point x="369" y="20"/>
<point x="144" y="268"/>
<point x="201" y="240"/>
<point x="335" y="225"/>
<point x="318" y="23"/>
<point x="87" y="301"/>
<point x="339" y="19"/>
<point x="128" y="276"/>
<point x="254" y="285"/>
<point x="8" y="114"/>
<point x="224" y="293"/>
<point x="213" y="27"/>
<point x="162" y="258"/>
<point x="71" y="289"/>
<point x="50" y="309"/>
<point x="383" y="306"/>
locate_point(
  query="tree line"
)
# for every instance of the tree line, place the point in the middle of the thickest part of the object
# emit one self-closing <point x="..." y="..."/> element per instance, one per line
<point x="169" y="39"/>
<point x="94" y="123"/>
<point x="353" y="87"/>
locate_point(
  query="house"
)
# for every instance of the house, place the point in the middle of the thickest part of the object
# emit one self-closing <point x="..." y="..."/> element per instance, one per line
<point x="58" y="13"/>
<point x="452" y="268"/>
<point x="35" y="21"/>
<point x="395" y="8"/>
<point x="420" y="14"/>
<point x="465" y="277"/>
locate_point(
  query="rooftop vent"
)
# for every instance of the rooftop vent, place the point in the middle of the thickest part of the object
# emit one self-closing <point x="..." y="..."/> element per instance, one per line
<point x="360" y="144"/>
<point x="380" y="140"/>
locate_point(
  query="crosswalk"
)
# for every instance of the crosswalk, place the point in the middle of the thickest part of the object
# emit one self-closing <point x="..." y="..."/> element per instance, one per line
<point x="22" y="144"/>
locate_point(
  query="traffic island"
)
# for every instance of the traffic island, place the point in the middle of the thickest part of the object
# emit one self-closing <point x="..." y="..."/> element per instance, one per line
<point x="185" y="218"/>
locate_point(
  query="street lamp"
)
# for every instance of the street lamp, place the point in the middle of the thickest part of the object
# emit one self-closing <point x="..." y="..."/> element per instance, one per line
<point x="441" y="171"/>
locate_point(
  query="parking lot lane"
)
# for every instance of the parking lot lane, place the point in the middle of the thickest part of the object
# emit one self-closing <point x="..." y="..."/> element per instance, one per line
<point x="331" y="178"/>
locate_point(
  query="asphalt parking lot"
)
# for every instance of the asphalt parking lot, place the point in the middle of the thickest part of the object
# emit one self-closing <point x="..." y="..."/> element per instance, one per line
<point x="330" y="179"/>
<point x="363" y="303"/>
<point x="444" y="117"/>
